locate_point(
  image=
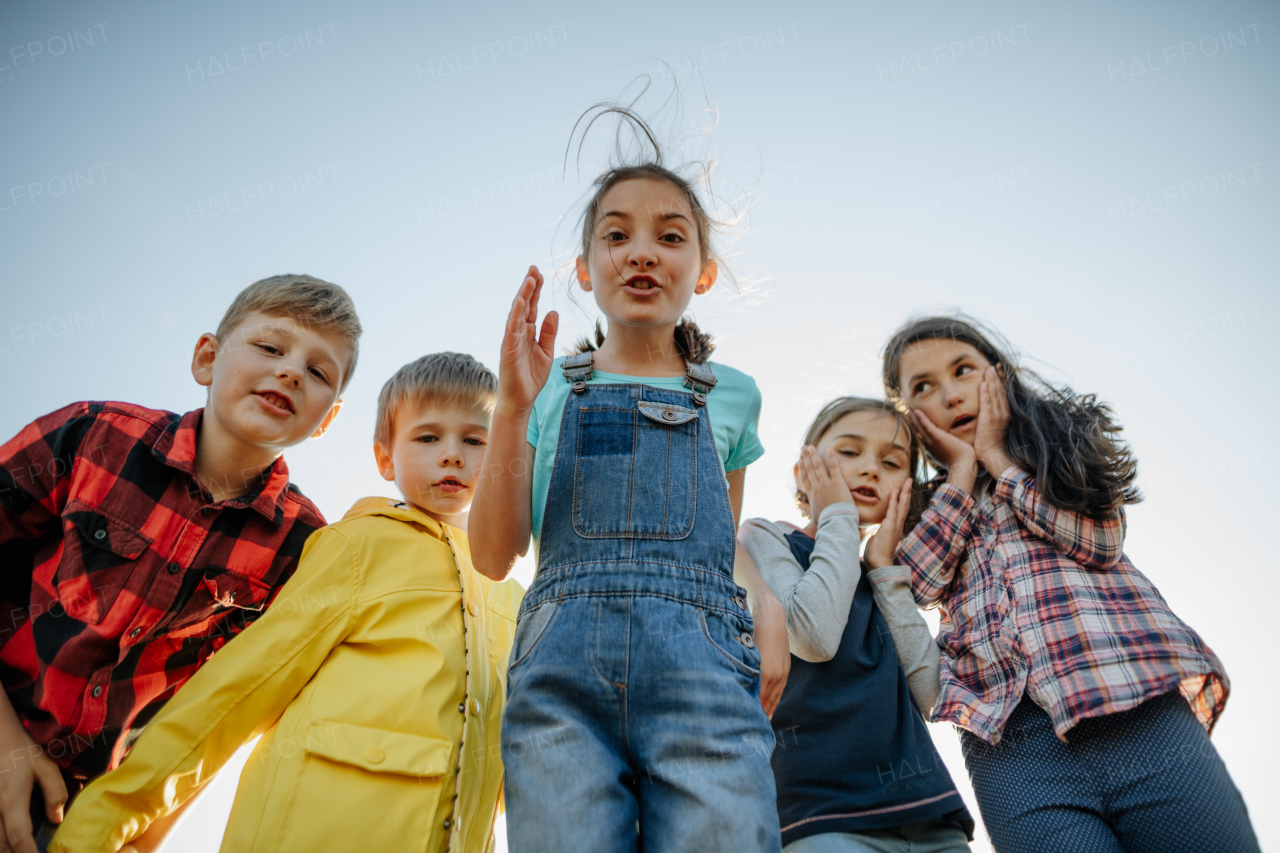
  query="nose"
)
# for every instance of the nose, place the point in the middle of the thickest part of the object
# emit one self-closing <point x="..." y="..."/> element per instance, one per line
<point x="643" y="255"/>
<point x="869" y="468"/>
<point x="952" y="395"/>
<point x="450" y="454"/>
<point x="290" y="374"/>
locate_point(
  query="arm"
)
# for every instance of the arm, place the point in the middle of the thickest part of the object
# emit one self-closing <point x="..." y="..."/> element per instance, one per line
<point x="501" y="519"/>
<point x="816" y="602"/>
<point x="1093" y="543"/>
<point x="918" y="653"/>
<point x="35" y="469"/>
<point x="934" y="547"/>
<point x="766" y="611"/>
<point x="240" y="693"/>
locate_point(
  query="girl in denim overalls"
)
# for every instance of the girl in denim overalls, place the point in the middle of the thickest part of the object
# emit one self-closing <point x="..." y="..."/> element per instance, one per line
<point x="635" y="718"/>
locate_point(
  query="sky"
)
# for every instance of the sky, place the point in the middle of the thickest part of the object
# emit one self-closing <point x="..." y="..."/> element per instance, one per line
<point x="1097" y="181"/>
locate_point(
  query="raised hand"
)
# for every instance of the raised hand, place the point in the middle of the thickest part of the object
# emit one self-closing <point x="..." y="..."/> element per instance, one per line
<point x="527" y="351"/>
<point x="955" y="454"/>
<point x="880" y="549"/>
<point x="821" y="480"/>
<point x="991" y="433"/>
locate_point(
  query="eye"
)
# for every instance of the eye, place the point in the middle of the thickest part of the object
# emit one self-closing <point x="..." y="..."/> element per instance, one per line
<point x="270" y="349"/>
<point x="474" y="442"/>
<point x="426" y="439"/>
<point x="921" y="387"/>
<point x="319" y="374"/>
<point x="614" y="236"/>
<point x="675" y="238"/>
<point x="889" y="463"/>
<point x="963" y="369"/>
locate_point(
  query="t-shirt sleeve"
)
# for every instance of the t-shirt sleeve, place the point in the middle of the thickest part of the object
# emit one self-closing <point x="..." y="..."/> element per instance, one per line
<point x="748" y="447"/>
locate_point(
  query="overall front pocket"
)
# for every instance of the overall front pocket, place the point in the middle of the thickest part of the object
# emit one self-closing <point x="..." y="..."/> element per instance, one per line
<point x="636" y="472"/>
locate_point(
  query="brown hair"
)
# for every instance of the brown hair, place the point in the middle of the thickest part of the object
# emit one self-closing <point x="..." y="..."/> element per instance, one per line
<point x="1069" y="442"/>
<point x="446" y="378"/>
<point x="691" y="342"/>
<point x="843" y="406"/>
<point x="308" y="301"/>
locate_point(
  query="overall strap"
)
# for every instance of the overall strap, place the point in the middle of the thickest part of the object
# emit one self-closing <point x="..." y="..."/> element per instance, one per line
<point x="700" y="379"/>
<point x="578" y="370"/>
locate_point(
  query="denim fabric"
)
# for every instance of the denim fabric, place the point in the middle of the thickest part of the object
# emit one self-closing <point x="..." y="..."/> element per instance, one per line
<point x="1146" y="780"/>
<point x="929" y="836"/>
<point x="634" y="719"/>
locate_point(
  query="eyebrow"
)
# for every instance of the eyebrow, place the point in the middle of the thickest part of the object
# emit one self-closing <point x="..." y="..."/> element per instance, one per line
<point x="857" y="437"/>
<point x="432" y="425"/>
<point x="954" y="362"/>
<point x="665" y="216"/>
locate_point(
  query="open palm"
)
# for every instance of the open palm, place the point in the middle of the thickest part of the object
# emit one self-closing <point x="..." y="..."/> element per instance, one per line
<point x="527" y="351"/>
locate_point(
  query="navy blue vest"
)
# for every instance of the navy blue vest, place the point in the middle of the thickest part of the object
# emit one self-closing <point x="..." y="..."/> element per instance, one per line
<point x="852" y="751"/>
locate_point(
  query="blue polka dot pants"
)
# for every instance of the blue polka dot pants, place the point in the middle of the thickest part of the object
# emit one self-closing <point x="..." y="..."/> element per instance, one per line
<point x="1146" y="780"/>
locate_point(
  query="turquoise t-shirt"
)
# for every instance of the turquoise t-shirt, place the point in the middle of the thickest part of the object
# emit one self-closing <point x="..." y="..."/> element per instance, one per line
<point x="733" y="407"/>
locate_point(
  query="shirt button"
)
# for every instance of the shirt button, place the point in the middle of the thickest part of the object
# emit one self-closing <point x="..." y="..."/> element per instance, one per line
<point x="472" y="609"/>
<point x="134" y="633"/>
<point x="375" y="755"/>
<point x="207" y="511"/>
<point x="100" y="534"/>
<point x="174" y="568"/>
<point x="97" y="691"/>
<point x="462" y="707"/>
<point x="475" y="707"/>
<point x="447" y="823"/>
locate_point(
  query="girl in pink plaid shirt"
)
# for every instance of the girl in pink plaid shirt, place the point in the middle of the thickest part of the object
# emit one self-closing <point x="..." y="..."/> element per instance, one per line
<point x="1083" y="703"/>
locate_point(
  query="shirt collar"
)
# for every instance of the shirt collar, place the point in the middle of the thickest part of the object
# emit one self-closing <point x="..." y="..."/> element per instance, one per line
<point x="176" y="447"/>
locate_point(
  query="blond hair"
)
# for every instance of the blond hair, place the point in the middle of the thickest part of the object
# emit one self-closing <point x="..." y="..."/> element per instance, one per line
<point x="306" y="300"/>
<point x="445" y="378"/>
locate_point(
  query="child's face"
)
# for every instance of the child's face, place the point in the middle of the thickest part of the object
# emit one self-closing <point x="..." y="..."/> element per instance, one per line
<point x="645" y="263"/>
<point x="872" y="450"/>
<point x="272" y="382"/>
<point x="941" y="377"/>
<point x="435" y="457"/>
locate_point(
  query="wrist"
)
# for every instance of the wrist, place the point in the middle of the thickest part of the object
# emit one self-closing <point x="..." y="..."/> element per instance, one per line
<point x="512" y="412"/>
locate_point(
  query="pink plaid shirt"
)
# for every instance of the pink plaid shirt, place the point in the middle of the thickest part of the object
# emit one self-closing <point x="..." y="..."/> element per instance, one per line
<point x="1040" y="600"/>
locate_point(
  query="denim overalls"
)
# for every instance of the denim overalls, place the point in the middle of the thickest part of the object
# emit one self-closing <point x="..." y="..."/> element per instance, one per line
<point x="634" y="718"/>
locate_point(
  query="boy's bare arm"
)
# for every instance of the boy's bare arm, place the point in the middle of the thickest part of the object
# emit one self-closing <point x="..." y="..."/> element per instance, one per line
<point x="24" y="764"/>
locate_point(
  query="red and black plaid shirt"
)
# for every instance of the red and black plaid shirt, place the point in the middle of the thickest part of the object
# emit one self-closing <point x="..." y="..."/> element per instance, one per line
<point x="119" y="574"/>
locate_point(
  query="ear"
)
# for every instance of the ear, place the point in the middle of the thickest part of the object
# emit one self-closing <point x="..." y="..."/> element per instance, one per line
<point x="584" y="275"/>
<point x="1000" y="372"/>
<point x="202" y="359"/>
<point x="386" y="465"/>
<point x="328" y="420"/>
<point x="707" y="280"/>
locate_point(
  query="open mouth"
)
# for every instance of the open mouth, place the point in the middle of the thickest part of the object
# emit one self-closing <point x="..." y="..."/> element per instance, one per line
<point x="450" y="485"/>
<point x="642" y="283"/>
<point x="963" y="421"/>
<point x="866" y="492"/>
<point x="276" y="401"/>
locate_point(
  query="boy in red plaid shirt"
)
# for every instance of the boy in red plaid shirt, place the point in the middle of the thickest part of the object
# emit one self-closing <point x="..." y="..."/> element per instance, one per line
<point x="134" y="542"/>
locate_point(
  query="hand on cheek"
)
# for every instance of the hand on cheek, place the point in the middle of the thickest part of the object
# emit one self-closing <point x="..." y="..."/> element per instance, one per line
<point x="991" y="434"/>
<point x="954" y="454"/>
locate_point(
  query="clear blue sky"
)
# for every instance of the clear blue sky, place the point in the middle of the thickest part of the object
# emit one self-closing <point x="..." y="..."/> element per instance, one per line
<point x="1099" y="182"/>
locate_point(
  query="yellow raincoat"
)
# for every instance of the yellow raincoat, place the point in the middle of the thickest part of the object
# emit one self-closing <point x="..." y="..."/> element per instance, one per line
<point x="377" y="680"/>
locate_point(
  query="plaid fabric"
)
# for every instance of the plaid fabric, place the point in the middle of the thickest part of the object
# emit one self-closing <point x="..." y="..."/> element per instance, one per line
<point x="1039" y="600"/>
<point x="119" y="575"/>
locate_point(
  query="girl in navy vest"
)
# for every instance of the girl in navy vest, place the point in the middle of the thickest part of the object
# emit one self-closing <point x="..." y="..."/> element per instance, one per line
<point x="855" y="766"/>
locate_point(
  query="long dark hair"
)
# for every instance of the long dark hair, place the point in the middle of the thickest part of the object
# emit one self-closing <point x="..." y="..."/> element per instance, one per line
<point x="692" y="343"/>
<point x="841" y="406"/>
<point x="1069" y="442"/>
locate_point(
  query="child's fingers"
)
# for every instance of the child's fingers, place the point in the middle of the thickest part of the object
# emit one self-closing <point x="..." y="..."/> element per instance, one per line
<point x="547" y="337"/>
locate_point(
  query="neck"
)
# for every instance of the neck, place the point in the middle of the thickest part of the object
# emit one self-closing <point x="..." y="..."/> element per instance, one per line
<point x="640" y="351"/>
<point x="458" y="520"/>
<point x="225" y="465"/>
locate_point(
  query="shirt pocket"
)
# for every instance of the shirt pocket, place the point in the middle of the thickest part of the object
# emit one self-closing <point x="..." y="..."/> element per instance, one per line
<point x="99" y="553"/>
<point x="222" y="592"/>
<point x="636" y="472"/>
<point x="364" y="788"/>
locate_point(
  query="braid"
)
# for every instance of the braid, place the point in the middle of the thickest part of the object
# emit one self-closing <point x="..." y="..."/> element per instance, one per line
<point x="694" y="345"/>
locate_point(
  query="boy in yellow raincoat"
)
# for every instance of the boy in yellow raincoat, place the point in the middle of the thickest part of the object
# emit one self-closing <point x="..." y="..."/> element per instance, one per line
<point x="377" y="679"/>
